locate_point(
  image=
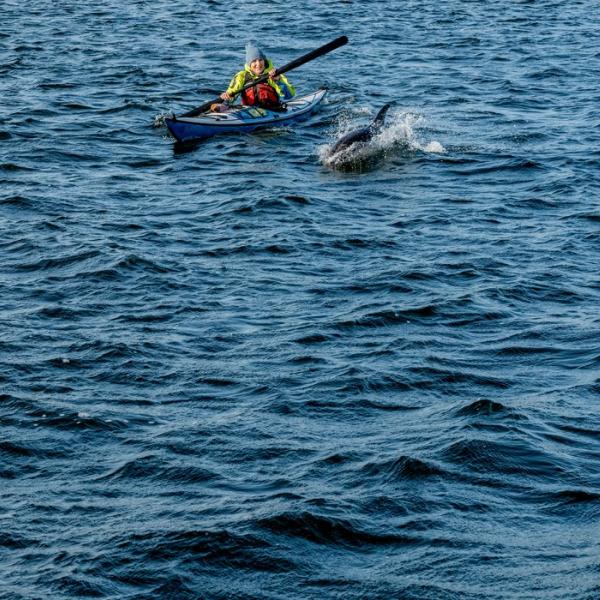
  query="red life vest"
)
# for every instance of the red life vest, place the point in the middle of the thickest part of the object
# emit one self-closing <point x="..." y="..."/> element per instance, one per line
<point x="261" y="94"/>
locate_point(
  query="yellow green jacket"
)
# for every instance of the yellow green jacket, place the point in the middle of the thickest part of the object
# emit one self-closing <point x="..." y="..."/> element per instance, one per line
<point x="283" y="87"/>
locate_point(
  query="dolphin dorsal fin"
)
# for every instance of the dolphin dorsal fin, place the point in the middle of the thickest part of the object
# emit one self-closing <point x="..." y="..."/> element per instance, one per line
<point x="378" y="121"/>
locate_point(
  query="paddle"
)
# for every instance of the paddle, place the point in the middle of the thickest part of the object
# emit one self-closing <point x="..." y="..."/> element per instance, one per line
<point x="292" y="65"/>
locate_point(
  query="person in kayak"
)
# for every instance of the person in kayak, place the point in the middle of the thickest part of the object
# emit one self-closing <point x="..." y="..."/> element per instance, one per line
<point x="270" y="94"/>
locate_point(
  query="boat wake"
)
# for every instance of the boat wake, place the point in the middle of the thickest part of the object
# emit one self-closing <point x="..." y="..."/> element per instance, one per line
<point x="400" y="136"/>
<point x="159" y="120"/>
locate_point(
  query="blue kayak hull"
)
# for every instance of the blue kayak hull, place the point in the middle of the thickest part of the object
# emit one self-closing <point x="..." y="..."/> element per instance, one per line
<point x="242" y="120"/>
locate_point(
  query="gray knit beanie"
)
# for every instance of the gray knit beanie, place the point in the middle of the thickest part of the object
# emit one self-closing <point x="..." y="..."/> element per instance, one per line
<point x="253" y="52"/>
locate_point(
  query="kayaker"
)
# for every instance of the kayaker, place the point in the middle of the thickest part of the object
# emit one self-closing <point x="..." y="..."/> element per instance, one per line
<point x="270" y="94"/>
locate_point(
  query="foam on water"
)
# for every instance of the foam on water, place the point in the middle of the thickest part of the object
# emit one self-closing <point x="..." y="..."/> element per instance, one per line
<point x="401" y="135"/>
<point x="159" y="119"/>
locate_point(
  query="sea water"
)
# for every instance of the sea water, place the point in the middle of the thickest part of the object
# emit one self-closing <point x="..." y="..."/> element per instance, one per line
<point x="237" y="371"/>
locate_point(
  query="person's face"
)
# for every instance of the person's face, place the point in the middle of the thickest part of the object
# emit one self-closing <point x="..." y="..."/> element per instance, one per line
<point x="257" y="66"/>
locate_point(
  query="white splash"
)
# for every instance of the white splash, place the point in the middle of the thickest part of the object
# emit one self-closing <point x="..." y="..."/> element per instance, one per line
<point x="159" y="120"/>
<point x="399" y="136"/>
<point x="435" y="148"/>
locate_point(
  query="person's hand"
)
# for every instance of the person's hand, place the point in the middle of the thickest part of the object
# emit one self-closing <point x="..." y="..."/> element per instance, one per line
<point x="225" y="96"/>
<point x="273" y="74"/>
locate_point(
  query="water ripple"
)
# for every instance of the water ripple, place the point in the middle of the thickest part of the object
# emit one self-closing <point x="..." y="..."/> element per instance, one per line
<point x="240" y="370"/>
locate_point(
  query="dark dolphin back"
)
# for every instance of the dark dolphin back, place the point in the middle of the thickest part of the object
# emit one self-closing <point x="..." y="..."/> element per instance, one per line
<point x="364" y="134"/>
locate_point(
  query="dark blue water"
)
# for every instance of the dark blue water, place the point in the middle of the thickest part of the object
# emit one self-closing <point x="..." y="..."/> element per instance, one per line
<point x="241" y="372"/>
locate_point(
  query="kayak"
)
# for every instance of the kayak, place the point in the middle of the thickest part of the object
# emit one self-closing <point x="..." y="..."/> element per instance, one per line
<point x="242" y="119"/>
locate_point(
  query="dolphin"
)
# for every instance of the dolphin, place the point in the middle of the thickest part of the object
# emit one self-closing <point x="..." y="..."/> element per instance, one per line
<point x="362" y="135"/>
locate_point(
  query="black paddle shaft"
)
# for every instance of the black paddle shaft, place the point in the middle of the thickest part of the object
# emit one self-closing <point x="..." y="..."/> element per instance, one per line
<point x="292" y="65"/>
